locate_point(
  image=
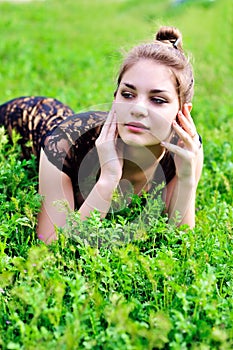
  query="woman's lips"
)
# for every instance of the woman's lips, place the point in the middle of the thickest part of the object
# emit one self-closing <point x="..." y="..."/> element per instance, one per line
<point x="136" y="127"/>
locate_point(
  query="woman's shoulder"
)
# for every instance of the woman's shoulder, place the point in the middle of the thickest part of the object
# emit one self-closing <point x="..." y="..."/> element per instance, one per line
<point x="79" y="124"/>
<point x="70" y="140"/>
<point x="76" y="125"/>
<point x="86" y="119"/>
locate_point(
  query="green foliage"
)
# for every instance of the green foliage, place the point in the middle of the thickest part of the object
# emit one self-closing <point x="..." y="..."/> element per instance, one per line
<point x="19" y="201"/>
<point x="135" y="283"/>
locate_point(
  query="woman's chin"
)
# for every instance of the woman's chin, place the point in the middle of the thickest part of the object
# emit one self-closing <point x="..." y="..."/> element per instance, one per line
<point x="141" y="144"/>
<point x="139" y="140"/>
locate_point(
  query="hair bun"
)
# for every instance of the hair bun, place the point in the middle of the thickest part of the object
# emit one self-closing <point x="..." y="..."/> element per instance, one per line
<point x="171" y="36"/>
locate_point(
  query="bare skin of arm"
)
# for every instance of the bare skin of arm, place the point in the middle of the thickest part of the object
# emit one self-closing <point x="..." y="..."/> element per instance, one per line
<point x="54" y="185"/>
<point x="181" y="196"/>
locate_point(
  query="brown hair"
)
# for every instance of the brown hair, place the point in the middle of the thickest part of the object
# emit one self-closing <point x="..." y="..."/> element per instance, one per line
<point x="166" y="49"/>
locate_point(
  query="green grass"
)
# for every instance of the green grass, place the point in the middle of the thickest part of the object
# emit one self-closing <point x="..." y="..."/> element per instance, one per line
<point x="141" y="284"/>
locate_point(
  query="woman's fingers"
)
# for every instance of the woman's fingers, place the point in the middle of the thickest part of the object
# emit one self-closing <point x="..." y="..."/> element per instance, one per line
<point x="186" y="121"/>
<point x="186" y="130"/>
<point x="179" y="151"/>
<point x="109" y="126"/>
<point x="109" y="149"/>
<point x="187" y="133"/>
<point x="183" y="134"/>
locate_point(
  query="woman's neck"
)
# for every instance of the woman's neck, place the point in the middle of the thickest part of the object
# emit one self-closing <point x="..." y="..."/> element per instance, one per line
<point x="140" y="164"/>
<point x="143" y="157"/>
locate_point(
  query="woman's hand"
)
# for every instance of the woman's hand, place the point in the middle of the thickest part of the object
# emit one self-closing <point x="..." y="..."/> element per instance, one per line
<point x="188" y="147"/>
<point x="110" y="150"/>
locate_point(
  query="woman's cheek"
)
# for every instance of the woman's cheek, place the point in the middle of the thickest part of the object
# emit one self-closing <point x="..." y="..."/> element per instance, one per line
<point x="122" y="112"/>
<point x="161" y="128"/>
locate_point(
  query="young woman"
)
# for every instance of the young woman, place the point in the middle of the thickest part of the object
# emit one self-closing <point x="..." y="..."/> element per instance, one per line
<point x="147" y="137"/>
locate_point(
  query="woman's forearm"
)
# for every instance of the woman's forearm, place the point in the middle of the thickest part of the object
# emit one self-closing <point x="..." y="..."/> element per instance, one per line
<point x="99" y="198"/>
<point x="183" y="203"/>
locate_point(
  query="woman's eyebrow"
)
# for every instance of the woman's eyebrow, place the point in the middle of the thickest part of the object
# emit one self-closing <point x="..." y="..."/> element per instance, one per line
<point x="157" y="91"/>
<point x="153" y="91"/>
<point x="130" y="86"/>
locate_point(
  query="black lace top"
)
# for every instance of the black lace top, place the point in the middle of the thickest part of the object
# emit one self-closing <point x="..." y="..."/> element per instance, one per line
<point x="32" y="117"/>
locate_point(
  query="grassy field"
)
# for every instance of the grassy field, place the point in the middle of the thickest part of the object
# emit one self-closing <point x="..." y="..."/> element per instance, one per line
<point x="163" y="287"/>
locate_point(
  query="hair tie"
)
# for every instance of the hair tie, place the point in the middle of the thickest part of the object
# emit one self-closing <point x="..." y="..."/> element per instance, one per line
<point x="175" y="44"/>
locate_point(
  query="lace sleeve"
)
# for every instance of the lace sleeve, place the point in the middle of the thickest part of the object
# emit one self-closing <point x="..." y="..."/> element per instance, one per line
<point x="68" y="144"/>
<point x="57" y="147"/>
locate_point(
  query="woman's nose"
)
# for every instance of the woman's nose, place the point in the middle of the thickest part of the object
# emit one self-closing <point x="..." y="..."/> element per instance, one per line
<point x="139" y="110"/>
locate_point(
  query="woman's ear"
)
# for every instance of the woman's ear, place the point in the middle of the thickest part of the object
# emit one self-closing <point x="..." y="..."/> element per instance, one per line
<point x="189" y="106"/>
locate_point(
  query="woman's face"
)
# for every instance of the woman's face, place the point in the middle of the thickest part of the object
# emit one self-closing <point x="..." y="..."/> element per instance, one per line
<point x="146" y="103"/>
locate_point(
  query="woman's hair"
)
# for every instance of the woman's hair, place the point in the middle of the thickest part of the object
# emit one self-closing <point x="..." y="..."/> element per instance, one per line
<point x="166" y="49"/>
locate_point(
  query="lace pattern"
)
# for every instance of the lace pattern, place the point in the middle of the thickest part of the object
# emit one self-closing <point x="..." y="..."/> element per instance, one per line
<point x="32" y="117"/>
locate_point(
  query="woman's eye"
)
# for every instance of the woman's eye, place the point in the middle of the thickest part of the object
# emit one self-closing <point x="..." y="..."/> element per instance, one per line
<point x="126" y="94"/>
<point x="158" y="100"/>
